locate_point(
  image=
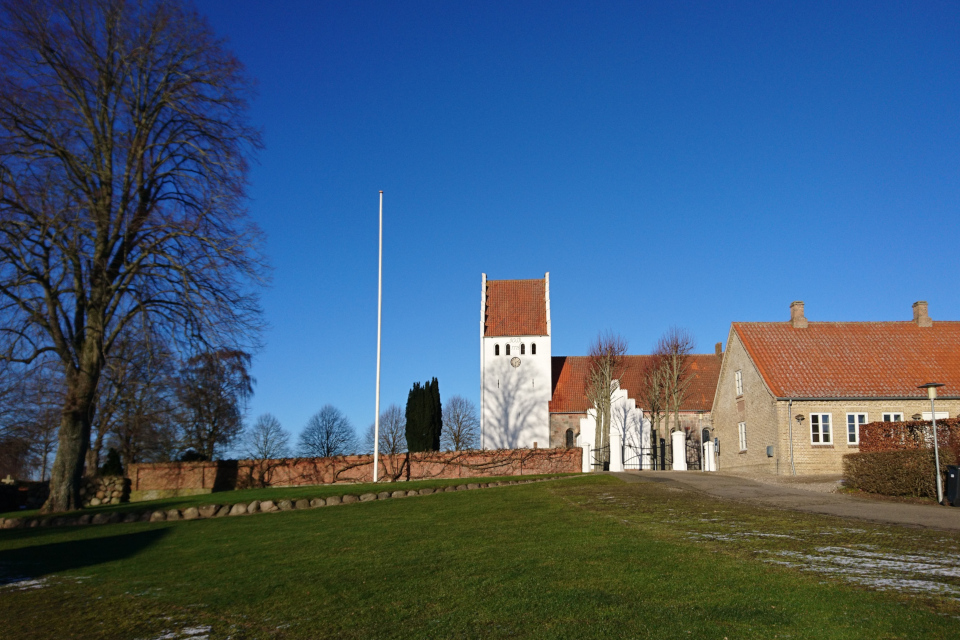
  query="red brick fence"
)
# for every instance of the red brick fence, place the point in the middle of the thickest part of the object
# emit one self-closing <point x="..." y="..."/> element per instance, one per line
<point x="180" y="478"/>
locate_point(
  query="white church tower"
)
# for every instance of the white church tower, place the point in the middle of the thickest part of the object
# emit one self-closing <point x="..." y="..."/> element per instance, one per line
<point x="515" y="365"/>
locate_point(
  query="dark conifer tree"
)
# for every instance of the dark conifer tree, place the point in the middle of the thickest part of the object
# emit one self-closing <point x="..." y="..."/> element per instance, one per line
<point x="424" y="417"/>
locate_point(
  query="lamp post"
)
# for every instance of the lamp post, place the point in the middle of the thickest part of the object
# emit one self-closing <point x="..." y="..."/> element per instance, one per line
<point x="931" y="388"/>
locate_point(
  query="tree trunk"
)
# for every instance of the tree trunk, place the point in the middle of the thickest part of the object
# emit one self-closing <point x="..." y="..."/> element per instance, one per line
<point x="72" y="444"/>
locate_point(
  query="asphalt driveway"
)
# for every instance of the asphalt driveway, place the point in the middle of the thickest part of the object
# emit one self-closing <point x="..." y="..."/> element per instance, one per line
<point x="795" y="497"/>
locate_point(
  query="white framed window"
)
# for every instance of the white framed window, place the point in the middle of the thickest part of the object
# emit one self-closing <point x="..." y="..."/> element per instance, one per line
<point x="738" y="376"/>
<point x="742" y="431"/>
<point x="854" y="420"/>
<point x="893" y="417"/>
<point x="941" y="415"/>
<point x="820" y="428"/>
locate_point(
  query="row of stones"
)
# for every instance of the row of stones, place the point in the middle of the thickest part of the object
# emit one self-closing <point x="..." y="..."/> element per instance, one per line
<point x="237" y="509"/>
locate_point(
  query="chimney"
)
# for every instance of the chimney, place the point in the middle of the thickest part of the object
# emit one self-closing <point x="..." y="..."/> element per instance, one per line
<point x="920" y="315"/>
<point x="796" y="315"/>
<point x="718" y="349"/>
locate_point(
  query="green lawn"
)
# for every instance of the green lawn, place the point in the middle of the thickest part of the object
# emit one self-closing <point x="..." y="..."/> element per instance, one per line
<point x="585" y="557"/>
<point x="278" y="493"/>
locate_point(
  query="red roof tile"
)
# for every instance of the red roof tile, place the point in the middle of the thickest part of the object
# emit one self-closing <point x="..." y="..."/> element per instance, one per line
<point x="570" y="375"/>
<point x="854" y="359"/>
<point x="516" y="308"/>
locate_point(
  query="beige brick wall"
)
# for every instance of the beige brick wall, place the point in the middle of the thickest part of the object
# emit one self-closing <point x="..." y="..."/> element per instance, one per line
<point x="559" y="423"/>
<point x="756" y="407"/>
<point x="812" y="458"/>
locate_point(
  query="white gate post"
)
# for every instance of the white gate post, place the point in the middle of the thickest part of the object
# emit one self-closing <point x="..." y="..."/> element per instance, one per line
<point x="709" y="460"/>
<point x="616" y="450"/>
<point x="679" y="441"/>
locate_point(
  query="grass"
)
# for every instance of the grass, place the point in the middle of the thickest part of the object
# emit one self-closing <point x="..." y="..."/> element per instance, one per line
<point x="587" y="557"/>
<point x="274" y="493"/>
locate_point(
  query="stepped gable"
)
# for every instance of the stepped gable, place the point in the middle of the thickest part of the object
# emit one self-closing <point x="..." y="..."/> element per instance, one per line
<point x="515" y="308"/>
<point x="854" y="359"/>
<point x="570" y="375"/>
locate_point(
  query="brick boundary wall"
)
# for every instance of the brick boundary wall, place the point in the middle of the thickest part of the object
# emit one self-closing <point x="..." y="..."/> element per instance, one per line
<point x="225" y="475"/>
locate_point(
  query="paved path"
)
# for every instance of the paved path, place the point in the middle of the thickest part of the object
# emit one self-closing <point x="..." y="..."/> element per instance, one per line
<point x="792" y="497"/>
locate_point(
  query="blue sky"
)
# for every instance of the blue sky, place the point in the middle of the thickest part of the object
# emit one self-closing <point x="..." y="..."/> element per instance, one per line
<point x="669" y="164"/>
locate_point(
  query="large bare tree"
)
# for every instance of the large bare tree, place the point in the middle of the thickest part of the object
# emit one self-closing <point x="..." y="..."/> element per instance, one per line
<point x="607" y="366"/>
<point x="674" y="349"/>
<point x="461" y="425"/>
<point x="124" y="140"/>
<point x="393" y="432"/>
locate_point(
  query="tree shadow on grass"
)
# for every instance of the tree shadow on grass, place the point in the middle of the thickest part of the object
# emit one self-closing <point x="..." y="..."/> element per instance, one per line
<point x="45" y="559"/>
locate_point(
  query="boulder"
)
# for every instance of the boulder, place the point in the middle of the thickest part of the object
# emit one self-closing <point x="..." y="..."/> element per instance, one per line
<point x="35" y="523"/>
<point x="268" y="506"/>
<point x="12" y="523"/>
<point x="318" y="502"/>
<point x="95" y="502"/>
<point x="238" y="509"/>
<point x="100" y="518"/>
<point x="367" y="497"/>
<point x="484" y="485"/>
<point x="158" y="516"/>
<point x="302" y="503"/>
<point x="332" y="500"/>
<point x="350" y="498"/>
<point x="398" y="494"/>
<point x="461" y="487"/>
<point x="114" y="517"/>
<point x="450" y="488"/>
<point x="473" y="485"/>
<point x="208" y="510"/>
<point x="133" y="516"/>
<point x="285" y="505"/>
<point x="146" y="516"/>
<point x="84" y="519"/>
<point x="191" y="513"/>
<point x="413" y="492"/>
<point x="224" y="511"/>
<point x="115" y="500"/>
<point x="426" y="492"/>
<point x="383" y="495"/>
<point x="253" y="507"/>
<point x="173" y="514"/>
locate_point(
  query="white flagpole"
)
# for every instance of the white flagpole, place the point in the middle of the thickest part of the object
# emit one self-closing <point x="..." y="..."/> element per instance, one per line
<point x="376" y="420"/>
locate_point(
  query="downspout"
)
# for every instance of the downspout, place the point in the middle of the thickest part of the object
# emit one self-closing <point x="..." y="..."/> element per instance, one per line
<point x="793" y="469"/>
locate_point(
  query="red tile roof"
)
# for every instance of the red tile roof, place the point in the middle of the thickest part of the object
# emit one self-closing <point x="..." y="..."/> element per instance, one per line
<point x="516" y="308"/>
<point x="854" y="359"/>
<point x="570" y="375"/>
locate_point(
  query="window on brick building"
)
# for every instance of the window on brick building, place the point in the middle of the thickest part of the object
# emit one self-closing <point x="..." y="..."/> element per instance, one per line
<point x="496" y="349"/>
<point x="738" y="376"/>
<point x="854" y="420"/>
<point x="893" y="417"/>
<point x="533" y="348"/>
<point x="742" y="431"/>
<point x="569" y="438"/>
<point x="820" y="428"/>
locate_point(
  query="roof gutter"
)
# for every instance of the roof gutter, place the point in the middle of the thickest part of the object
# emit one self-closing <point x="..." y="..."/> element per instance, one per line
<point x="840" y="398"/>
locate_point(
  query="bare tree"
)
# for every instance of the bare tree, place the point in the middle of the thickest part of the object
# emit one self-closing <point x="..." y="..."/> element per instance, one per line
<point x="266" y="439"/>
<point x="461" y="426"/>
<point x="674" y="348"/>
<point x="607" y="366"/>
<point x="654" y="393"/>
<point x="393" y="432"/>
<point x="124" y="141"/>
<point x="213" y="389"/>
<point x="328" y="433"/>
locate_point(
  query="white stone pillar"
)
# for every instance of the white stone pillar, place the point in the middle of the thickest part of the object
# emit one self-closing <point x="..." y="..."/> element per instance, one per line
<point x="679" y="440"/>
<point x="616" y="450"/>
<point x="709" y="459"/>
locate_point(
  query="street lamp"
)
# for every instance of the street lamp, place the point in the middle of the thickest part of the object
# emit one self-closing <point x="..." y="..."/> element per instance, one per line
<point x="931" y="388"/>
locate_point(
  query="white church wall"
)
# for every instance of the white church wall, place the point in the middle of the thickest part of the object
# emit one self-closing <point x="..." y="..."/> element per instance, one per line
<point x="516" y="400"/>
<point x="630" y="435"/>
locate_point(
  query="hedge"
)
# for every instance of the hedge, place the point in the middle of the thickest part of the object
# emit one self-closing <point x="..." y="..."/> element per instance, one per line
<point x="912" y="434"/>
<point x="896" y="473"/>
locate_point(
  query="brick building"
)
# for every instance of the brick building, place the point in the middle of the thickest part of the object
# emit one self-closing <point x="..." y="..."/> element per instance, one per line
<point x="791" y="395"/>
<point x="528" y="397"/>
<point x="569" y="404"/>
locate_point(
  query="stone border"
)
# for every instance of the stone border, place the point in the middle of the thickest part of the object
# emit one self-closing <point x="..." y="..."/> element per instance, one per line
<point x="243" y="508"/>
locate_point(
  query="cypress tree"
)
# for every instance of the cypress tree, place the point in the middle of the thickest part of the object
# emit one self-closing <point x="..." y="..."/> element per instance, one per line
<point x="424" y="417"/>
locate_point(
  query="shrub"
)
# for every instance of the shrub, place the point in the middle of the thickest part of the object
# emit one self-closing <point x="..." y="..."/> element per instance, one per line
<point x="112" y="466"/>
<point x="898" y="436"/>
<point x="896" y="473"/>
